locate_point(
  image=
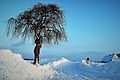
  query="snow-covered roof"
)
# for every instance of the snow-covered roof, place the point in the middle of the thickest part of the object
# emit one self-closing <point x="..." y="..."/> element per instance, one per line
<point x="115" y="57"/>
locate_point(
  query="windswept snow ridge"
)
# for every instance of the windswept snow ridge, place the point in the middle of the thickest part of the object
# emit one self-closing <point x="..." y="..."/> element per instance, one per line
<point x="59" y="62"/>
<point x="14" y="67"/>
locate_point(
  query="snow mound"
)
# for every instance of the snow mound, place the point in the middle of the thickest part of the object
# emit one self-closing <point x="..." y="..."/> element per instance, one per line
<point x="60" y="61"/>
<point x="13" y="67"/>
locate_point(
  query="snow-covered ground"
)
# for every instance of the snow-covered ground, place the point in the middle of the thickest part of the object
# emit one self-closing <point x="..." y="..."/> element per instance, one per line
<point x="13" y="67"/>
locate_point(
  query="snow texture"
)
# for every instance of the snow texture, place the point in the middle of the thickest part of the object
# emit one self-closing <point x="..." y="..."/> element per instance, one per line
<point x="107" y="58"/>
<point x="14" y="67"/>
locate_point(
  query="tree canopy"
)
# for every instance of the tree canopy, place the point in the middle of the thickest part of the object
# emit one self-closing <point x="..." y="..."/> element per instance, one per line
<point x="43" y="21"/>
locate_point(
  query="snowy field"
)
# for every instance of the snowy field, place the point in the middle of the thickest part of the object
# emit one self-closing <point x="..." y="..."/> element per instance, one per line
<point x="14" y="67"/>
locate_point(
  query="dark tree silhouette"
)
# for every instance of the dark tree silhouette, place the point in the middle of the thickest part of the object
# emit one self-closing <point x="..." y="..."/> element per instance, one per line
<point x="43" y="22"/>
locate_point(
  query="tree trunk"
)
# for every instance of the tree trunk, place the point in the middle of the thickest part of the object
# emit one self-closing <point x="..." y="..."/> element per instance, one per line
<point x="37" y="51"/>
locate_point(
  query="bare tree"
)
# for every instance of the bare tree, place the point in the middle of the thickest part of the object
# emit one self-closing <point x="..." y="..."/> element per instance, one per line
<point x="43" y="22"/>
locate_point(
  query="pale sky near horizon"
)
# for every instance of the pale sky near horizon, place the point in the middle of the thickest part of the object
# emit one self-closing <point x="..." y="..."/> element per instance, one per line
<point x="91" y="25"/>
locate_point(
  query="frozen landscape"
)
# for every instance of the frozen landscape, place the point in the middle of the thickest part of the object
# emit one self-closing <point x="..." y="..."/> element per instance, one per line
<point x="60" y="40"/>
<point x="14" y="67"/>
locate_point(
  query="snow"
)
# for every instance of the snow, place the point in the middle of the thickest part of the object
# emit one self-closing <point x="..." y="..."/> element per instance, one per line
<point x="115" y="57"/>
<point x="14" y="67"/>
<point x="60" y="61"/>
<point x="110" y="57"/>
<point x="107" y="58"/>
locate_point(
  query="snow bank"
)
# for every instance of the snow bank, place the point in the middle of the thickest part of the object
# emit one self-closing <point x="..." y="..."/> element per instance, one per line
<point x="13" y="67"/>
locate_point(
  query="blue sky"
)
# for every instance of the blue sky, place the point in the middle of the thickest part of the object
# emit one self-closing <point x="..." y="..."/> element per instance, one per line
<point x="91" y="26"/>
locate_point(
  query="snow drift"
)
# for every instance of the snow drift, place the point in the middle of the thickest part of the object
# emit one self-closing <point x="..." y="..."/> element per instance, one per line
<point x="14" y="67"/>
